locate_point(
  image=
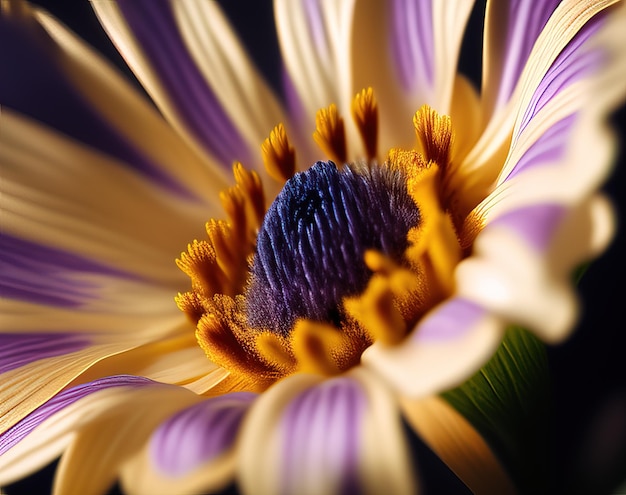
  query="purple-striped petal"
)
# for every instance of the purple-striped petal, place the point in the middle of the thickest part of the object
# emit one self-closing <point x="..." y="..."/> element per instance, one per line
<point x="536" y="224"/>
<point x="574" y="63"/>
<point x="524" y="22"/>
<point x="20" y="349"/>
<point x="321" y="434"/>
<point x="453" y="341"/>
<point x="198" y="434"/>
<point x="412" y="42"/>
<point x="34" y="84"/>
<point x="548" y="149"/>
<point x="44" y="275"/>
<point x="310" y="434"/>
<point x="62" y="400"/>
<point x="444" y="325"/>
<point x="154" y="27"/>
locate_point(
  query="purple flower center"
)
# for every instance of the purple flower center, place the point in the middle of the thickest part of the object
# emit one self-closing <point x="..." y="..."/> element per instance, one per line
<point x="311" y="245"/>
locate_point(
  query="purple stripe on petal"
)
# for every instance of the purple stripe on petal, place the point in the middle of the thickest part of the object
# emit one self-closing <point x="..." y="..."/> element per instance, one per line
<point x="199" y="433"/>
<point x="316" y="24"/>
<point x="574" y="63"/>
<point x="34" y="85"/>
<point x="44" y="275"/>
<point x="412" y="42"/>
<point x="526" y="19"/>
<point x="450" y="321"/>
<point x="63" y="399"/>
<point x="20" y="349"/>
<point x="535" y="224"/>
<point x="548" y="149"/>
<point x="321" y="431"/>
<point x="154" y="26"/>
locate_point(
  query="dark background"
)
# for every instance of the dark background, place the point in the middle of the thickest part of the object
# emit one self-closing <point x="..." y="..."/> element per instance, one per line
<point x="588" y="372"/>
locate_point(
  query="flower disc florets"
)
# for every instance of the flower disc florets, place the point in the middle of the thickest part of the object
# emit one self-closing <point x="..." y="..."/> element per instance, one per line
<point x="343" y="257"/>
<point x="311" y="246"/>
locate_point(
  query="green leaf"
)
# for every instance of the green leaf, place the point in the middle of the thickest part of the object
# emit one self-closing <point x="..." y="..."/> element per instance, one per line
<point x="508" y="402"/>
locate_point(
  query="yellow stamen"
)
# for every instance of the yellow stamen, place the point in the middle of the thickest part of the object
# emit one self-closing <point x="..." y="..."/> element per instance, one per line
<point x="191" y="303"/>
<point x="433" y="244"/>
<point x="434" y="133"/>
<point x="313" y="344"/>
<point x="276" y="351"/>
<point x="330" y="134"/>
<point x="472" y="225"/>
<point x="365" y="115"/>
<point x="279" y="157"/>
<point x="376" y="312"/>
<point x="222" y="334"/>
<point x="200" y="264"/>
<point x="234" y="204"/>
<point x="250" y="184"/>
<point x="388" y="302"/>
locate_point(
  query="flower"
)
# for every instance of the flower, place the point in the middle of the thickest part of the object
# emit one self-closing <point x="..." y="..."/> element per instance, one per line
<point x="499" y="200"/>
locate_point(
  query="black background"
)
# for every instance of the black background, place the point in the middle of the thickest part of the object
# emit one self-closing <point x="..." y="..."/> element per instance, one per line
<point x="589" y="420"/>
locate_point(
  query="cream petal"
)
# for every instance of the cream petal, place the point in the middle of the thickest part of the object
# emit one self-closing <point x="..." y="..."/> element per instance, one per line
<point x="575" y="67"/>
<point x="458" y="444"/>
<point x="112" y="436"/>
<point x="117" y="116"/>
<point x="41" y="437"/>
<point x="308" y="434"/>
<point x="314" y="39"/>
<point x="177" y="360"/>
<point x="227" y="68"/>
<point x="433" y="48"/>
<point x="453" y="341"/>
<point x="25" y="388"/>
<point x="524" y="276"/>
<point x="148" y="37"/>
<point x="49" y="347"/>
<point x="511" y="29"/>
<point x="115" y="216"/>
<point x="192" y="451"/>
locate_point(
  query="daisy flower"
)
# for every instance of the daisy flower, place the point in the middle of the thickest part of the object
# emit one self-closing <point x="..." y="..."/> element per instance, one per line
<point x="353" y="243"/>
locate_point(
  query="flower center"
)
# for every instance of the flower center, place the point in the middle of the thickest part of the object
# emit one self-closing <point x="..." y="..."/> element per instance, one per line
<point x="311" y="246"/>
<point x="344" y="256"/>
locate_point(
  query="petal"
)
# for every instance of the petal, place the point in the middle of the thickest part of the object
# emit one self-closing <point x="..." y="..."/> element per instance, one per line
<point x="453" y="341"/>
<point x="115" y="216"/>
<point x="108" y="439"/>
<point x="48" y="69"/>
<point x="42" y="365"/>
<point x="223" y="62"/>
<point x="458" y="444"/>
<point x="45" y="275"/>
<point x="408" y="52"/>
<point x="522" y="266"/>
<point x="52" y="423"/>
<point x="574" y="72"/>
<point x="314" y="40"/>
<point x="177" y="360"/>
<point x="148" y="35"/>
<point x="340" y="435"/>
<point x="511" y="29"/>
<point x="17" y="350"/>
<point x="192" y="451"/>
